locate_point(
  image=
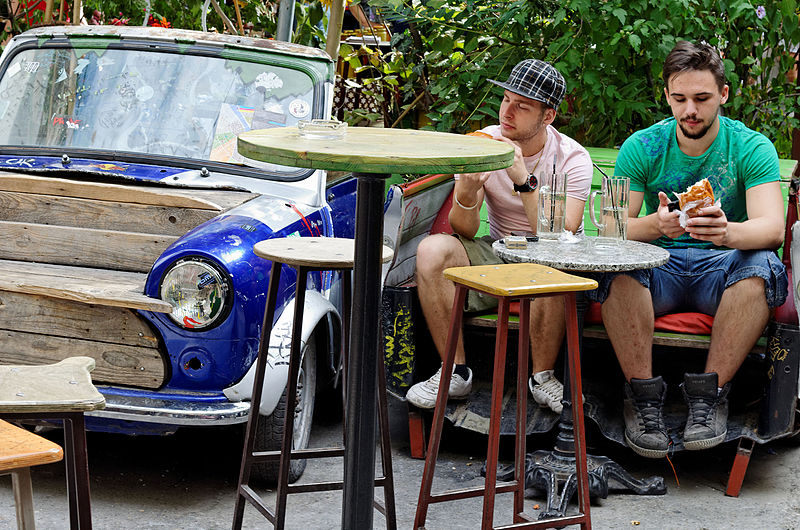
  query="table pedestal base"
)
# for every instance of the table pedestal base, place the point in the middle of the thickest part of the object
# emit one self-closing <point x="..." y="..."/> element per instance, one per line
<point x="546" y="470"/>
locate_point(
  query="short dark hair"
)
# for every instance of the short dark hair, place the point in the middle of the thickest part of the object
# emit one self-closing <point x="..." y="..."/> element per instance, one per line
<point x="687" y="56"/>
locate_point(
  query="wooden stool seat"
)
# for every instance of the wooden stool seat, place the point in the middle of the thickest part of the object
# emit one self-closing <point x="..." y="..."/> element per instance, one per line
<point x="306" y="254"/>
<point x="518" y="279"/>
<point x="60" y="391"/>
<point x="320" y="253"/>
<point x="19" y="451"/>
<point x="507" y="282"/>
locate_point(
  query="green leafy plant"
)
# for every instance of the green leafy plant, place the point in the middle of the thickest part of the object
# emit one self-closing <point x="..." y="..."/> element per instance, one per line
<point x="610" y="53"/>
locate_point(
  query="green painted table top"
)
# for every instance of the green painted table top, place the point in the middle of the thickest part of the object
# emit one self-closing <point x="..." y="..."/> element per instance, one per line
<point x="376" y="150"/>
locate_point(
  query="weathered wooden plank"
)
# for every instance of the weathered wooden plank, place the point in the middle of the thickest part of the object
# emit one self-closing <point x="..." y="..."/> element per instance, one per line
<point x="127" y="251"/>
<point x="64" y="318"/>
<point x="80" y="284"/>
<point x="103" y="215"/>
<point x="152" y="195"/>
<point x="116" y="363"/>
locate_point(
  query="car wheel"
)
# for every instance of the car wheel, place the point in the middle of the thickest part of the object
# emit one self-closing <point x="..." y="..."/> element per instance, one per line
<point x="269" y="433"/>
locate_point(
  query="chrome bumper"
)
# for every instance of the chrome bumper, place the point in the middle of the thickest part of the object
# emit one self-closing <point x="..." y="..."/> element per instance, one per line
<point x="172" y="412"/>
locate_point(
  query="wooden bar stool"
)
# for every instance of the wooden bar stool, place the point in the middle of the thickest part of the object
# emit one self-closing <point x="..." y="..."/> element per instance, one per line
<point x="507" y="282"/>
<point x="306" y="254"/>
<point x="19" y="451"/>
<point x="61" y="391"/>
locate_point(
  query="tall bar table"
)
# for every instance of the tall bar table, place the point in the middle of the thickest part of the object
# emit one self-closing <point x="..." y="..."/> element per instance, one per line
<point x="547" y="469"/>
<point x="372" y="154"/>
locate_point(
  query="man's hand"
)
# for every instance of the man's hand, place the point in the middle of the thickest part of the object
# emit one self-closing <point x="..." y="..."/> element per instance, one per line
<point x="518" y="173"/>
<point x="668" y="223"/>
<point x="468" y="186"/>
<point x="710" y="225"/>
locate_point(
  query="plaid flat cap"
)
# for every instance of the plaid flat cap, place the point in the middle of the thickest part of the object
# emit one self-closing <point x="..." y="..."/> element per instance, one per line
<point x="537" y="80"/>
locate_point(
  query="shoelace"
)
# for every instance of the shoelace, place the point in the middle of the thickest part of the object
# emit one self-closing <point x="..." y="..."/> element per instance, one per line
<point x="700" y="408"/>
<point x="650" y="411"/>
<point x="552" y="388"/>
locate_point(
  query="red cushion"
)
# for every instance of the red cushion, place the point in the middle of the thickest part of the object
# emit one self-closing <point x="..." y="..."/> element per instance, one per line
<point x="692" y="323"/>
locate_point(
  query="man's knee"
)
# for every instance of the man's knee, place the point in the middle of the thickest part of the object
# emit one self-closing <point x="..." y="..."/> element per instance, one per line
<point x="437" y="252"/>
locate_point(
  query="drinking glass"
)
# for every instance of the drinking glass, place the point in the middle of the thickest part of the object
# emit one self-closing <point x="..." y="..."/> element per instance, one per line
<point x="613" y="228"/>
<point x="552" y="205"/>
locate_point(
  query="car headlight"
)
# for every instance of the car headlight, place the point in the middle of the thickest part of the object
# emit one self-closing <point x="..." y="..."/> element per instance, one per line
<point x="198" y="293"/>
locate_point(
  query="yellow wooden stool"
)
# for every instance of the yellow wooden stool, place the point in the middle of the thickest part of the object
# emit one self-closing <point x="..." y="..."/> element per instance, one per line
<point x="19" y="451"/>
<point x="507" y="282"/>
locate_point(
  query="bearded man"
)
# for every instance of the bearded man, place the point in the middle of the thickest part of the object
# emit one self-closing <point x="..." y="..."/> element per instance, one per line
<point x="722" y="261"/>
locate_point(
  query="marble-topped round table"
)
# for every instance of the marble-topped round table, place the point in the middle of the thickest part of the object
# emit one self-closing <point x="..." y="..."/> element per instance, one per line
<point x="582" y="256"/>
<point x="373" y="154"/>
<point x="548" y="468"/>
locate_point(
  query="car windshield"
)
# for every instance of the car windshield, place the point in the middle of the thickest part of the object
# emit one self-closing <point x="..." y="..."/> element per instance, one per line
<point x="147" y="102"/>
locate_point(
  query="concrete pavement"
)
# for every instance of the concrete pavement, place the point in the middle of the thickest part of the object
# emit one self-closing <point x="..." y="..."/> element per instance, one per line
<point x="188" y="481"/>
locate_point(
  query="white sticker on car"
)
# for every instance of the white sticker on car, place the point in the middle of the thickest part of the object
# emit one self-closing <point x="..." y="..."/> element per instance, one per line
<point x="299" y="108"/>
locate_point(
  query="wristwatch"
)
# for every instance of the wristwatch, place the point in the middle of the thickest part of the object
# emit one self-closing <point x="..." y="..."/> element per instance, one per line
<point x="530" y="185"/>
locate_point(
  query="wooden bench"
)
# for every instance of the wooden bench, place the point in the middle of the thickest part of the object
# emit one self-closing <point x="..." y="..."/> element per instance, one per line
<point x="74" y="257"/>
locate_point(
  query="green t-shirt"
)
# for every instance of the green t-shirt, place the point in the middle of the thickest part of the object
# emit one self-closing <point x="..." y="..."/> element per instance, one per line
<point x="739" y="158"/>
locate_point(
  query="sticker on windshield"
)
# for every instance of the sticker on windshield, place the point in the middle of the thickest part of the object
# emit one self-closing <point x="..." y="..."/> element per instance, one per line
<point x="299" y="108"/>
<point x="14" y="69"/>
<point x="30" y="66"/>
<point x="62" y="75"/>
<point x="268" y="81"/>
<point x="144" y="93"/>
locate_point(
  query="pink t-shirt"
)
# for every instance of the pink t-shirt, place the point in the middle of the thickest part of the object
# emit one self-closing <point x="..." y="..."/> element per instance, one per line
<point x="506" y="213"/>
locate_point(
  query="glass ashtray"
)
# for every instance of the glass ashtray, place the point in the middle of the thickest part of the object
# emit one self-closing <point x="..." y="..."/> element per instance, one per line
<point x="322" y="129"/>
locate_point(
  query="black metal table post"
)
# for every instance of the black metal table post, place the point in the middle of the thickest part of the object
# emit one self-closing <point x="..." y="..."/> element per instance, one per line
<point x="546" y="470"/>
<point x="359" y="453"/>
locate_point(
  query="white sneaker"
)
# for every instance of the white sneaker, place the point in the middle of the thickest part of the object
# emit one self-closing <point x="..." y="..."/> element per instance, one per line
<point x="423" y="395"/>
<point x="548" y="392"/>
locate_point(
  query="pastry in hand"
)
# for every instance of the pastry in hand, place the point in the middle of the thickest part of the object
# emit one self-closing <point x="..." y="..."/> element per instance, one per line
<point x="697" y="196"/>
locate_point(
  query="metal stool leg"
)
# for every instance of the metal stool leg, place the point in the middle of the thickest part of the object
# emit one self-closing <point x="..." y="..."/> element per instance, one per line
<point x="386" y="449"/>
<point x="576" y="385"/>
<point x="77" y="471"/>
<point x="495" y="414"/>
<point x="522" y="407"/>
<point x="438" y="414"/>
<point x="291" y="398"/>
<point x="243" y="491"/>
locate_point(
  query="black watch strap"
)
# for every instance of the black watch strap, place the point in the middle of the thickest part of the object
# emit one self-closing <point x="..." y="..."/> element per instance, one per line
<point x="530" y="185"/>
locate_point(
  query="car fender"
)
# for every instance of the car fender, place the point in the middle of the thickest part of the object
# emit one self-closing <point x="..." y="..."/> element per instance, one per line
<point x="315" y="309"/>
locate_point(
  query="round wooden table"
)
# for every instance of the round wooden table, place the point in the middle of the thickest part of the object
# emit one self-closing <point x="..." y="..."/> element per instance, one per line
<point x="372" y="154"/>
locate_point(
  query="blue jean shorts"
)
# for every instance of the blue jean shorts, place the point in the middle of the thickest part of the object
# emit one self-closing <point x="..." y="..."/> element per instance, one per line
<point x="694" y="279"/>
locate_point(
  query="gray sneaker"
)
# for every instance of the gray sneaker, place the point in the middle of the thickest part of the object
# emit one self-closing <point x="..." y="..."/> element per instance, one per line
<point x="645" y="431"/>
<point x="707" y="422"/>
<point x="423" y="395"/>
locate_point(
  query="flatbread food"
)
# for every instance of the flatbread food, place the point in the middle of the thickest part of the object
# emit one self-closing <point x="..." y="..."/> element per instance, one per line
<point x="697" y="196"/>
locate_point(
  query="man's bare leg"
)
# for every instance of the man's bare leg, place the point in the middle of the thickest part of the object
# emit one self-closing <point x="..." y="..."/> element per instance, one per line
<point x="436" y="294"/>
<point x="548" y="324"/>
<point x="740" y="320"/>
<point x="628" y="319"/>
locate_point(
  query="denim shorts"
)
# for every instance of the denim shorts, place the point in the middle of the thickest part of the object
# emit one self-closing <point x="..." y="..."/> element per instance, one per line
<point x="694" y="279"/>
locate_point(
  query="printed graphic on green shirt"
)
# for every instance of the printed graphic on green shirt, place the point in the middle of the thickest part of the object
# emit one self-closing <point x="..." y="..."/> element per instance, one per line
<point x="739" y="158"/>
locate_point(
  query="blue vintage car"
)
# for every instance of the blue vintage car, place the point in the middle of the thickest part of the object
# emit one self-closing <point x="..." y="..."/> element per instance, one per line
<point x="128" y="219"/>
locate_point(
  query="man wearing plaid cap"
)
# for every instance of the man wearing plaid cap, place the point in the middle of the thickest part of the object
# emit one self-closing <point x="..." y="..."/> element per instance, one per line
<point x="532" y="94"/>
